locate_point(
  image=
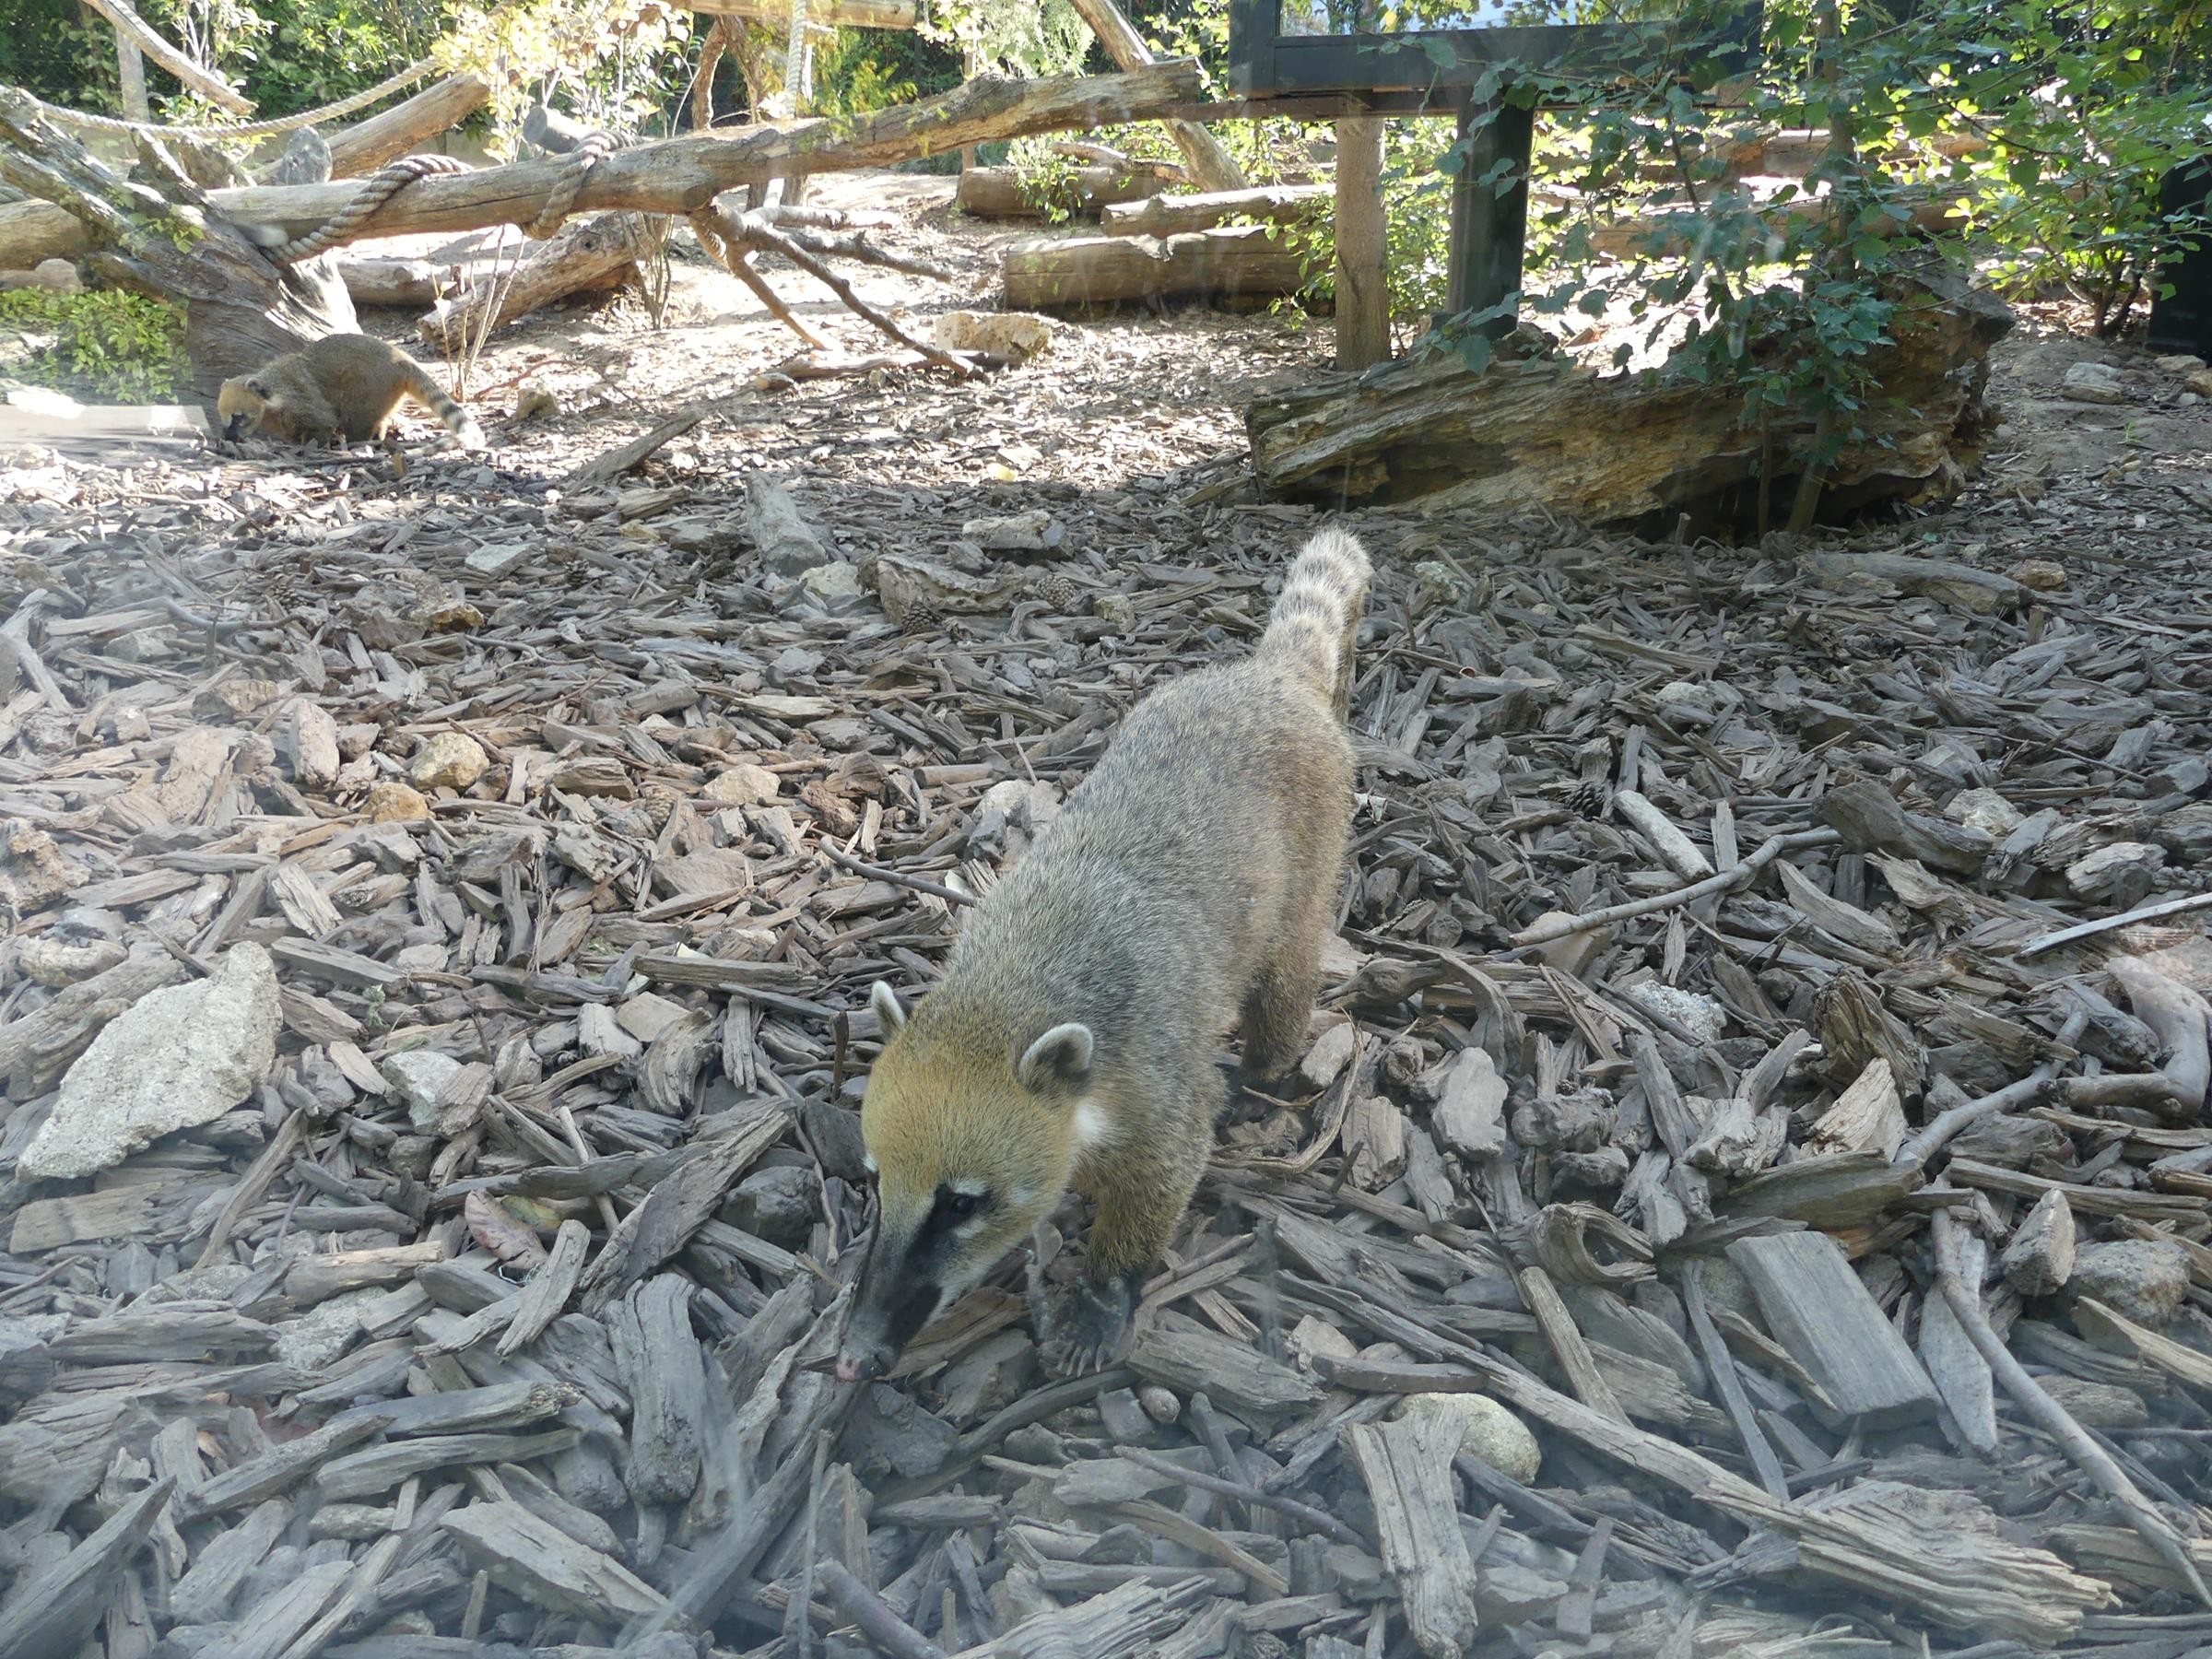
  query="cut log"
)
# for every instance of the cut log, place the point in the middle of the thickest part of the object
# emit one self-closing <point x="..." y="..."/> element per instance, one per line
<point x="404" y="128"/>
<point x="591" y="253"/>
<point x="1542" y="429"/>
<point x="412" y="283"/>
<point x="1211" y="167"/>
<point x="31" y="232"/>
<point x="1097" y="270"/>
<point x="1168" y="215"/>
<point x="997" y="193"/>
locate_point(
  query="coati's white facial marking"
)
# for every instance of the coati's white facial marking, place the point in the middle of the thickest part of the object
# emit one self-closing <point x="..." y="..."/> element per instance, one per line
<point x="1091" y="1125"/>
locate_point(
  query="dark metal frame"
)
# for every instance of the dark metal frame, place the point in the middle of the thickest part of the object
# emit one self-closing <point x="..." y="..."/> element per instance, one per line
<point x="1433" y="72"/>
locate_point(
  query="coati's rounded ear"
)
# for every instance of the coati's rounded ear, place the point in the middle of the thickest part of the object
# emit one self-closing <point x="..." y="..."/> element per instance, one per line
<point x="1058" y="1061"/>
<point x="889" y="1010"/>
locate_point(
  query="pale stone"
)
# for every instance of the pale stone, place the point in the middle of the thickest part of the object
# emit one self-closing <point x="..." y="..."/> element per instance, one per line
<point x="1488" y="1431"/>
<point x="447" y="760"/>
<point x="835" y="585"/>
<point x="307" y="740"/>
<point x="58" y="276"/>
<point x="326" y="1331"/>
<point x="1685" y="1008"/>
<point x="2094" y="383"/>
<point x="1983" y="809"/>
<point x="496" y="559"/>
<point x="1016" y="335"/>
<point x="418" y="1077"/>
<point x="396" y="804"/>
<point x="178" y="1057"/>
<point x="746" y="786"/>
<point x="1470" y="1119"/>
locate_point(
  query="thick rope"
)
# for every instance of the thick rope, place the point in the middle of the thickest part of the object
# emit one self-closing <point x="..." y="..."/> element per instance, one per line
<point x="247" y="129"/>
<point x="392" y="178"/>
<point x="562" y="202"/>
<point x="380" y="187"/>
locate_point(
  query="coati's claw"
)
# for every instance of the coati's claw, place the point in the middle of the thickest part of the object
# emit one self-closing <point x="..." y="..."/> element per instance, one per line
<point x="1089" y="1329"/>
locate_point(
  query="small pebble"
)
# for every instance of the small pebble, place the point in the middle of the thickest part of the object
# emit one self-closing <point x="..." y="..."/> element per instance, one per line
<point x="1161" y="1404"/>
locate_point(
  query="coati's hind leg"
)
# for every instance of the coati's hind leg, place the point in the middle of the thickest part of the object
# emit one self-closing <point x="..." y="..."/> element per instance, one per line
<point x="1143" y="1185"/>
<point x="1279" y="1007"/>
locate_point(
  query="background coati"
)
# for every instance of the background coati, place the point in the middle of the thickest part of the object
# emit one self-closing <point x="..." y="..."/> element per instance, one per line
<point x="345" y="387"/>
<point x="1192" y="878"/>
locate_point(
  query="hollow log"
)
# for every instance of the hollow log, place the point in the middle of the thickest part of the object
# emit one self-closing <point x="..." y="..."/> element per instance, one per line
<point x="1168" y="215"/>
<point x="591" y="254"/>
<point x="1540" y="429"/>
<point x="1097" y="270"/>
<point x="996" y="192"/>
<point x="404" y="128"/>
<point x="681" y="175"/>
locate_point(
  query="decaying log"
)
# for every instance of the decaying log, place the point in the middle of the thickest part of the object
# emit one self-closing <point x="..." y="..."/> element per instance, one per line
<point x="589" y="255"/>
<point x="1167" y="215"/>
<point x="366" y="145"/>
<point x="1100" y="270"/>
<point x="997" y="193"/>
<point x="1543" y="430"/>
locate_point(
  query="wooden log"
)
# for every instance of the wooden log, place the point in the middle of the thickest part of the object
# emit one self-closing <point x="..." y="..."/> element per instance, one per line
<point x="1609" y="450"/>
<point x="1097" y="270"/>
<point x="681" y="175"/>
<point x="590" y="255"/>
<point x="997" y="193"/>
<point x="411" y="283"/>
<point x="1211" y="166"/>
<point x="366" y="145"/>
<point x="834" y="14"/>
<point x="1408" y="1470"/>
<point x="1167" y="215"/>
<point x="31" y="232"/>
<point x="1817" y="1308"/>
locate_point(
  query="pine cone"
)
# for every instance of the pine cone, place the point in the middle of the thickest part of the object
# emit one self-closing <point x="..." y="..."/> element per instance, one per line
<point x="1587" y="799"/>
<point x="1058" y="592"/>
<point x="921" y="618"/>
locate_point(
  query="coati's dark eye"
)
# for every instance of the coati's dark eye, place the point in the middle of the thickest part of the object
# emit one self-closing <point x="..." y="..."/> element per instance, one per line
<point x="958" y="1206"/>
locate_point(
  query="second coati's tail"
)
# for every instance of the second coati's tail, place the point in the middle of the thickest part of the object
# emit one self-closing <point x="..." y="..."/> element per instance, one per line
<point x="431" y="395"/>
<point x="1310" y="635"/>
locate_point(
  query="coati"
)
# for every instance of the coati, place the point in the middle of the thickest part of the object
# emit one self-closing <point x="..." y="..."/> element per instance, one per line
<point x="344" y="388"/>
<point x="1192" y="878"/>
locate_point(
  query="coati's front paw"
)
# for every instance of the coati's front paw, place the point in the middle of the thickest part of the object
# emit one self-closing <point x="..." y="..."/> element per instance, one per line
<point x="1088" y="1329"/>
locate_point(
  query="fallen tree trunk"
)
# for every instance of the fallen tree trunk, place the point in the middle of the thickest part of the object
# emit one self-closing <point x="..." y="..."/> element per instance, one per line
<point x="1169" y="214"/>
<point x="996" y="191"/>
<point x="682" y="175"/>
<point x="404" y="128"/>
<point x="1546" y="432"/>
<point x="1099" y="270"/>
<point x="589" y="255"/>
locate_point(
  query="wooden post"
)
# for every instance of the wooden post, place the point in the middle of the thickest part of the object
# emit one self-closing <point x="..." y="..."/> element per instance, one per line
<point x="130" y="67"/>
<point x="1362" y="251"/>
<point x="1489" y="221"/>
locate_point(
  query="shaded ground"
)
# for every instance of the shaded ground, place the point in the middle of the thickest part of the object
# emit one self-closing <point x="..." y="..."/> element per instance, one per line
<point x="554" y="784"/>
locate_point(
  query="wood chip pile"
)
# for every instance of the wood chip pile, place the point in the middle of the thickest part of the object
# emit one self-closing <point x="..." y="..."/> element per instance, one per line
<point x="1716" y="1215"/>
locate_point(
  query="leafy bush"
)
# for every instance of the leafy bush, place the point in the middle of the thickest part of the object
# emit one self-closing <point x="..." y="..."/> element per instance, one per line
<point x="105" y="343"/>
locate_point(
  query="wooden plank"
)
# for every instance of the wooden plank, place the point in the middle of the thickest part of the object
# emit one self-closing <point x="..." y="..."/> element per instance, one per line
<point x="1817" y="1308"/>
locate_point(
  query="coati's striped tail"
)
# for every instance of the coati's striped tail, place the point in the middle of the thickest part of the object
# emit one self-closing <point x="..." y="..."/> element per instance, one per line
<point x="1315" y="622"/>
<point x="428" y="393"/>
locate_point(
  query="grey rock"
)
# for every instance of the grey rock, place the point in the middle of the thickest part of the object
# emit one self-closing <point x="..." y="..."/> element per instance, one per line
<point x="178" y="1057"/>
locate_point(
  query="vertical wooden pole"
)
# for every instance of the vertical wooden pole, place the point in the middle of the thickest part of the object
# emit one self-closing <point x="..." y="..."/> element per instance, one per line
<point x="130" y="65"/>
<point x="1363" y="250"/>
<point x="1489" y="221"/>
